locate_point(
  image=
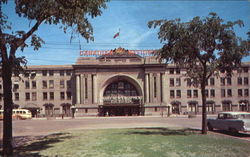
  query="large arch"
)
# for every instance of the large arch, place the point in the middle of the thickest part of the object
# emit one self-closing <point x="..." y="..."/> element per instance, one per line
<point x="120" y="95"/>
<point x="115" y="78"/>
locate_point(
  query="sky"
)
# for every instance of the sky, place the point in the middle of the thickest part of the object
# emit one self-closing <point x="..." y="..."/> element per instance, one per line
<point x="131" y="17"/>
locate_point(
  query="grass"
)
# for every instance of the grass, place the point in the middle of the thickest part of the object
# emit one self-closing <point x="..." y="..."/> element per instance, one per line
<point x="140" y="142"/>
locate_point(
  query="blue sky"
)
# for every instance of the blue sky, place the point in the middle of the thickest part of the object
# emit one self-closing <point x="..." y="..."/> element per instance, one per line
<point x="131" y="17"/>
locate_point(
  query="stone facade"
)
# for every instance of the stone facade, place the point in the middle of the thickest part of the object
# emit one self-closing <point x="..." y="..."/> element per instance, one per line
<point x="123" y="84"/>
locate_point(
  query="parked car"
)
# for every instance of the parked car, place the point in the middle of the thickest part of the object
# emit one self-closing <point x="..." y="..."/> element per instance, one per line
<point x="230" y="121"/>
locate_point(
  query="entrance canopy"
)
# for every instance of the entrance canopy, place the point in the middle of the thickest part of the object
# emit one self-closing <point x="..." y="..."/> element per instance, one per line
<point x="31" y="106"/>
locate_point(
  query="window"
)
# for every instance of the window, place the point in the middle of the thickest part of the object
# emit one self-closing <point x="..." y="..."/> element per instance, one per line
<point x="62" y="96"/>
<point x="27" y="84"/>
<point x="33" y="74"/>
<point x="69" y="84"/>
<point x="240" y="92"/>
<point x="178" y="93"/>
<point x="246" y="92"/>
<point x="239" y="81"/>
<point x="51" y="73"/>
<point x="212" y="93"/>
<point x="34" y="96"/>
<point x="245" y="80"/>
<point x="189" y="82"/>
<point x="171" y="83"/>
<point x="189" y="93"/>
<point x="44" y="72"/>
<point x="61" y="72"/>
<point x="33" y="84"/>
<point x="27" y="96"/>
<point x="171" y="71"/>
<point x="178" y="81"/>
<point x="229" y="92"/>
<point x="212" y="81"/>
<point x="26" y="74"/>
<point x="16" y="96"/>
<point x="16" y="86"/>
<point x="195" y="93"/>
<point x="45" y="96"/>
<point x="61" y="83"/>
<point x="1" y="96"/>
<point x="223" y="93"/>
<point x="68" y="72"/>
<point x="222" y="81"/>
<point x="51" y="95"/>
<point x="44" y="84"/>
<point x="68" y="95"/>
<point x="229" y="81"/>
<point x="245" y="69"/>
<point x="171" y="93"/>
<point x="206" y="92"/>
<point x="178" y="71"/>
<point x="51" y="84"/>
<point x="206" y="82"/>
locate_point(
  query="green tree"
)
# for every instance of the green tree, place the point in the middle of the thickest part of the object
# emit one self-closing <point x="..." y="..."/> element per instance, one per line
<point x="203" y="47"/>
<point x="70" y="15"/>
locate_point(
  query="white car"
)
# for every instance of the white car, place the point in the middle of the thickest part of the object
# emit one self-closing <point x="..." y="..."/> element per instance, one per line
<point x="230" y="121"/>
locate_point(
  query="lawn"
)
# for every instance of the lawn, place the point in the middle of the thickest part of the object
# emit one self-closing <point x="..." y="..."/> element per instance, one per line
<point x="140" y="142"/>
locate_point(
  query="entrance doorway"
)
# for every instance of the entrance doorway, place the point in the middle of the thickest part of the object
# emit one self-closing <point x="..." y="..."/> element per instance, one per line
<point x="121" y="98"/>
<point x="119" y="110"/>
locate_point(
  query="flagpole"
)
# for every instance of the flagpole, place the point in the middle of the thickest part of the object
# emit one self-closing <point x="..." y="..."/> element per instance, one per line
<point x="119" y="38"/>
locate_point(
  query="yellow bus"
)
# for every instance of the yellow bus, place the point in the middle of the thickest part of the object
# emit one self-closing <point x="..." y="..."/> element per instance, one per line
<point x="18" y="114"/>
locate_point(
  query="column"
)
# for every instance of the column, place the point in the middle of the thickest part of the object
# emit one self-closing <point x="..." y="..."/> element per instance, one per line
<point x="158" y="87"/>
<point x="146" y="88"/>
<point x="151" y="87"/>
<point x="164" y="95"/>
<point x="78" y="89"/>
<point x="94" y="89"/>
<point x="82" y="78"/>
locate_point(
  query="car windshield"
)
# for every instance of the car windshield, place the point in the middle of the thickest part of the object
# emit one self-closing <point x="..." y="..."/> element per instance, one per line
<point x="244" y="116"/>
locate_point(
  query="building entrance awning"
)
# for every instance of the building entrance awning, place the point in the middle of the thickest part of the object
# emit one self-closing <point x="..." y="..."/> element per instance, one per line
<point x="31" y="106"/>
<point x="120" y="105"/>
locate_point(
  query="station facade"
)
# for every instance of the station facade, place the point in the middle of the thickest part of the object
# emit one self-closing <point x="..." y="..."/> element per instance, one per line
<point x="122" y="83"/>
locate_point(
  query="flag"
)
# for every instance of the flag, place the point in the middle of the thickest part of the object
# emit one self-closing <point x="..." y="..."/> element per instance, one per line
<point x="117" y="34"/>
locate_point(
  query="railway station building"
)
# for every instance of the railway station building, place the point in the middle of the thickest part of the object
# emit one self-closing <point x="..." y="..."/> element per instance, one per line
<point x="124" y="83"/>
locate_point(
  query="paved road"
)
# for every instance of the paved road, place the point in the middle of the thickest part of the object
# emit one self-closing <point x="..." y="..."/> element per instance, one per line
<point x="36" y="127"/>
<point x="41" y="127"/>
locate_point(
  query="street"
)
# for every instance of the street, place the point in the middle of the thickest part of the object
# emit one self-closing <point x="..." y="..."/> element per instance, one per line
<point x="41" y="127"/>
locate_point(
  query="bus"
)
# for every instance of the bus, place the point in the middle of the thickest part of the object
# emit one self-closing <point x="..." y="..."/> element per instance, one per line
<point x="18" y="114"/>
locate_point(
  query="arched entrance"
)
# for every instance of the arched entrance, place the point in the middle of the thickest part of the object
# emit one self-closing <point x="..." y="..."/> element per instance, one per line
<point x="66" y="109"/>
<point x="226" y="105"/>
<point x="33" y="108"/>
<point x="121" y="98"/>
<point x="176" y="107"/>
<point x="193" y="107"/>
<point x="244" y="105"/>
<point x="210" y="106"/>
<point x="49" y="109"/>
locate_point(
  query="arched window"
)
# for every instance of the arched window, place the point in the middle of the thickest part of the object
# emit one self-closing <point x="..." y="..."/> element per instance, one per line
<point x="120" y="88"/>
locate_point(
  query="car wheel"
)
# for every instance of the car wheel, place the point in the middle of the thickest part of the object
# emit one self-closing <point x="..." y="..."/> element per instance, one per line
<point x="210" y="128"/>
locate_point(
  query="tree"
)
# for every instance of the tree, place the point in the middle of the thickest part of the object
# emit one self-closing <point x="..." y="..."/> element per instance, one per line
<point x="70" y="15"/>
<point x="203" y="47"/>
